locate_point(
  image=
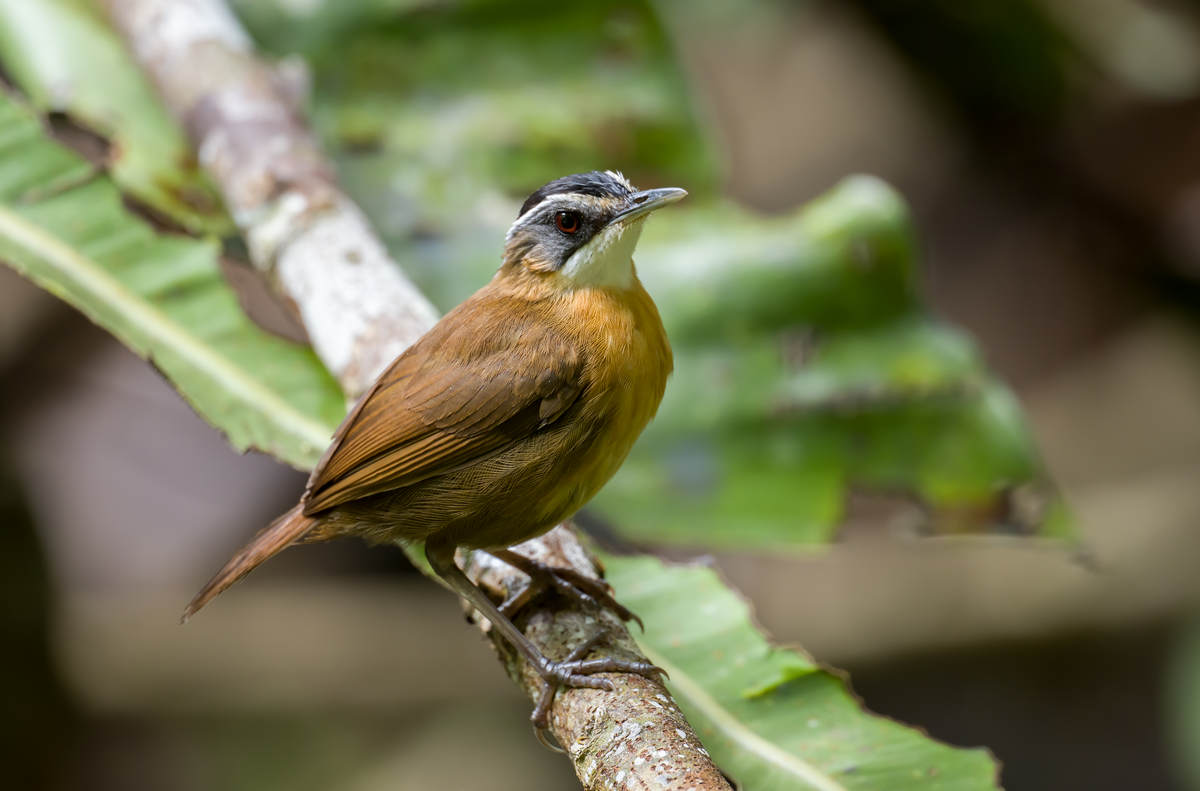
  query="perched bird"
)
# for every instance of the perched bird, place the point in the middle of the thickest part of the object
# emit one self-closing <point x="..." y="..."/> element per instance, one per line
<point x="507" y="416"/>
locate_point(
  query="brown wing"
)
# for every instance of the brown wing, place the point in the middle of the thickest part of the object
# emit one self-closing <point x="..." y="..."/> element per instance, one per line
<point x="486" y="376"/>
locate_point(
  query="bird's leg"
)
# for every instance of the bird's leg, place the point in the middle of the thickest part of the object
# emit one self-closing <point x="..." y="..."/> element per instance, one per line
<point x="568" y="582"/>
<point x="574" y="671"/>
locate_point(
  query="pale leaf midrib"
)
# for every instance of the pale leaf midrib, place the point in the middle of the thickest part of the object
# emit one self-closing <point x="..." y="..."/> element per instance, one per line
<point x="683" y="686"/>
<point x="154" y="324"/>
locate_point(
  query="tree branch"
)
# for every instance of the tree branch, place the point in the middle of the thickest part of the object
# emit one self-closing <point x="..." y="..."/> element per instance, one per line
<point x="311" y="241"/>
<point x="361" y="311"/>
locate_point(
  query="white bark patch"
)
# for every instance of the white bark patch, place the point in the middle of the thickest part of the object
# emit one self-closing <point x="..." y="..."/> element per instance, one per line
<point x="163" y="28"/>
<point x="359" y="308"/>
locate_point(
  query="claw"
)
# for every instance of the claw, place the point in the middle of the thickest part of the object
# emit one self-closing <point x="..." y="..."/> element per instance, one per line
<point x="597" y="590"/>
<point x="545" y="737"/>
<point x="567" y="582"/>
<point x="575" y="672"/>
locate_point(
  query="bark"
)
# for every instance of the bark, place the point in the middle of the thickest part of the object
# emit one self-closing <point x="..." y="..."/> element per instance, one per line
<point x="360" y="312"/>
<point x="302" y="231"/>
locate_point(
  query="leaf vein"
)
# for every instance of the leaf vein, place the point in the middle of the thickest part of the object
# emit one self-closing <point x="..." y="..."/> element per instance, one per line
<point x="687" y="688"/>
<point x="158" y="326"/>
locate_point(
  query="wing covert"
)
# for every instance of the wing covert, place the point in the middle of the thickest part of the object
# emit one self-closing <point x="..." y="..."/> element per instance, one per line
<point x="461" y="393"/>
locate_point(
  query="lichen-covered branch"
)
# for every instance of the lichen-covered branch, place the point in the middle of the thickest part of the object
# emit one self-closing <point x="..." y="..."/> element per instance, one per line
<point x="360" y="312"/>
<point x="634" y="737"/>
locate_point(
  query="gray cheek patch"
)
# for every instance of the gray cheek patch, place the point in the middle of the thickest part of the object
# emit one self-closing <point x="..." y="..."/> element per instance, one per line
<point x="537" y="237"/>
<point x="553" y="246"/>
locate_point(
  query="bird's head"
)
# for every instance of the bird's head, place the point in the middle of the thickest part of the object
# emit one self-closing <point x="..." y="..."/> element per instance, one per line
<point x="580" y="230"/>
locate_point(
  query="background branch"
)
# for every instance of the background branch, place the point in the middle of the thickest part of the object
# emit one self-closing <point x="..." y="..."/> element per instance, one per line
<point x="360" y="311"/>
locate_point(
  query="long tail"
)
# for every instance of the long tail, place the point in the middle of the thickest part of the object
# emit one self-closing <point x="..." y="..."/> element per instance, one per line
<point x="271" y="540"/>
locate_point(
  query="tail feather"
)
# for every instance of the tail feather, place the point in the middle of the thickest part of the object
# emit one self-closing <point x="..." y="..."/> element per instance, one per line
<point x="271" y="540"/>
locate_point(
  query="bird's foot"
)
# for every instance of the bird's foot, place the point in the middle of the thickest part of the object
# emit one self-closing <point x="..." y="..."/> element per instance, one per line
<point x="567" y="582"/>
<point x="575" y="672"/>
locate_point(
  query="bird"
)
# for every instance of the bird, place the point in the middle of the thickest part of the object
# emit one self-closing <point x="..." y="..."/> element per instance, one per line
<point x="506" y="417"/>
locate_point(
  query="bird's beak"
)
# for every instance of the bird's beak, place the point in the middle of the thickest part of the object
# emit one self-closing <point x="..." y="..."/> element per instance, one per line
<point x="646" y="201"/>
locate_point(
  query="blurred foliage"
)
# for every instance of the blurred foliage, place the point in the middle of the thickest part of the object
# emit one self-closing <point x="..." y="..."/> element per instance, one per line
<point x="1182" y="702"/>
<point x="772" y="718"/>
<point x="62" y="225"/>
<point x="42" y="725"/>
<point x="821" y="372"/>
<point x="808" y="370"/>
<point x="1002" y="62"/>
<point x="821" y="375"/>
<point x="64" y="57"/>
<point x="456" y="104"/>
<point x="1007" y="66"/>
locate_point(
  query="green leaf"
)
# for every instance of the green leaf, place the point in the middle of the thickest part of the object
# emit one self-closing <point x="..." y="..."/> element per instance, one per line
<point x="65" y="227"/>
<point x="285" y="26"/>
<point x="66" y="59"/>
<point x="771" y="718"/>
<point x="822" y="376"/>
<point x="845" y="260"/>
<point x="465" y="107"/>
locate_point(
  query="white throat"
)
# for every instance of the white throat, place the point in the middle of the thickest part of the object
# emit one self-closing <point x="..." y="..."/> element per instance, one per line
<point x="607" y="258"/>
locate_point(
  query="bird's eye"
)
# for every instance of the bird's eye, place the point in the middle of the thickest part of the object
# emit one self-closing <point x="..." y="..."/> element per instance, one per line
<point x="567" y="221"/>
